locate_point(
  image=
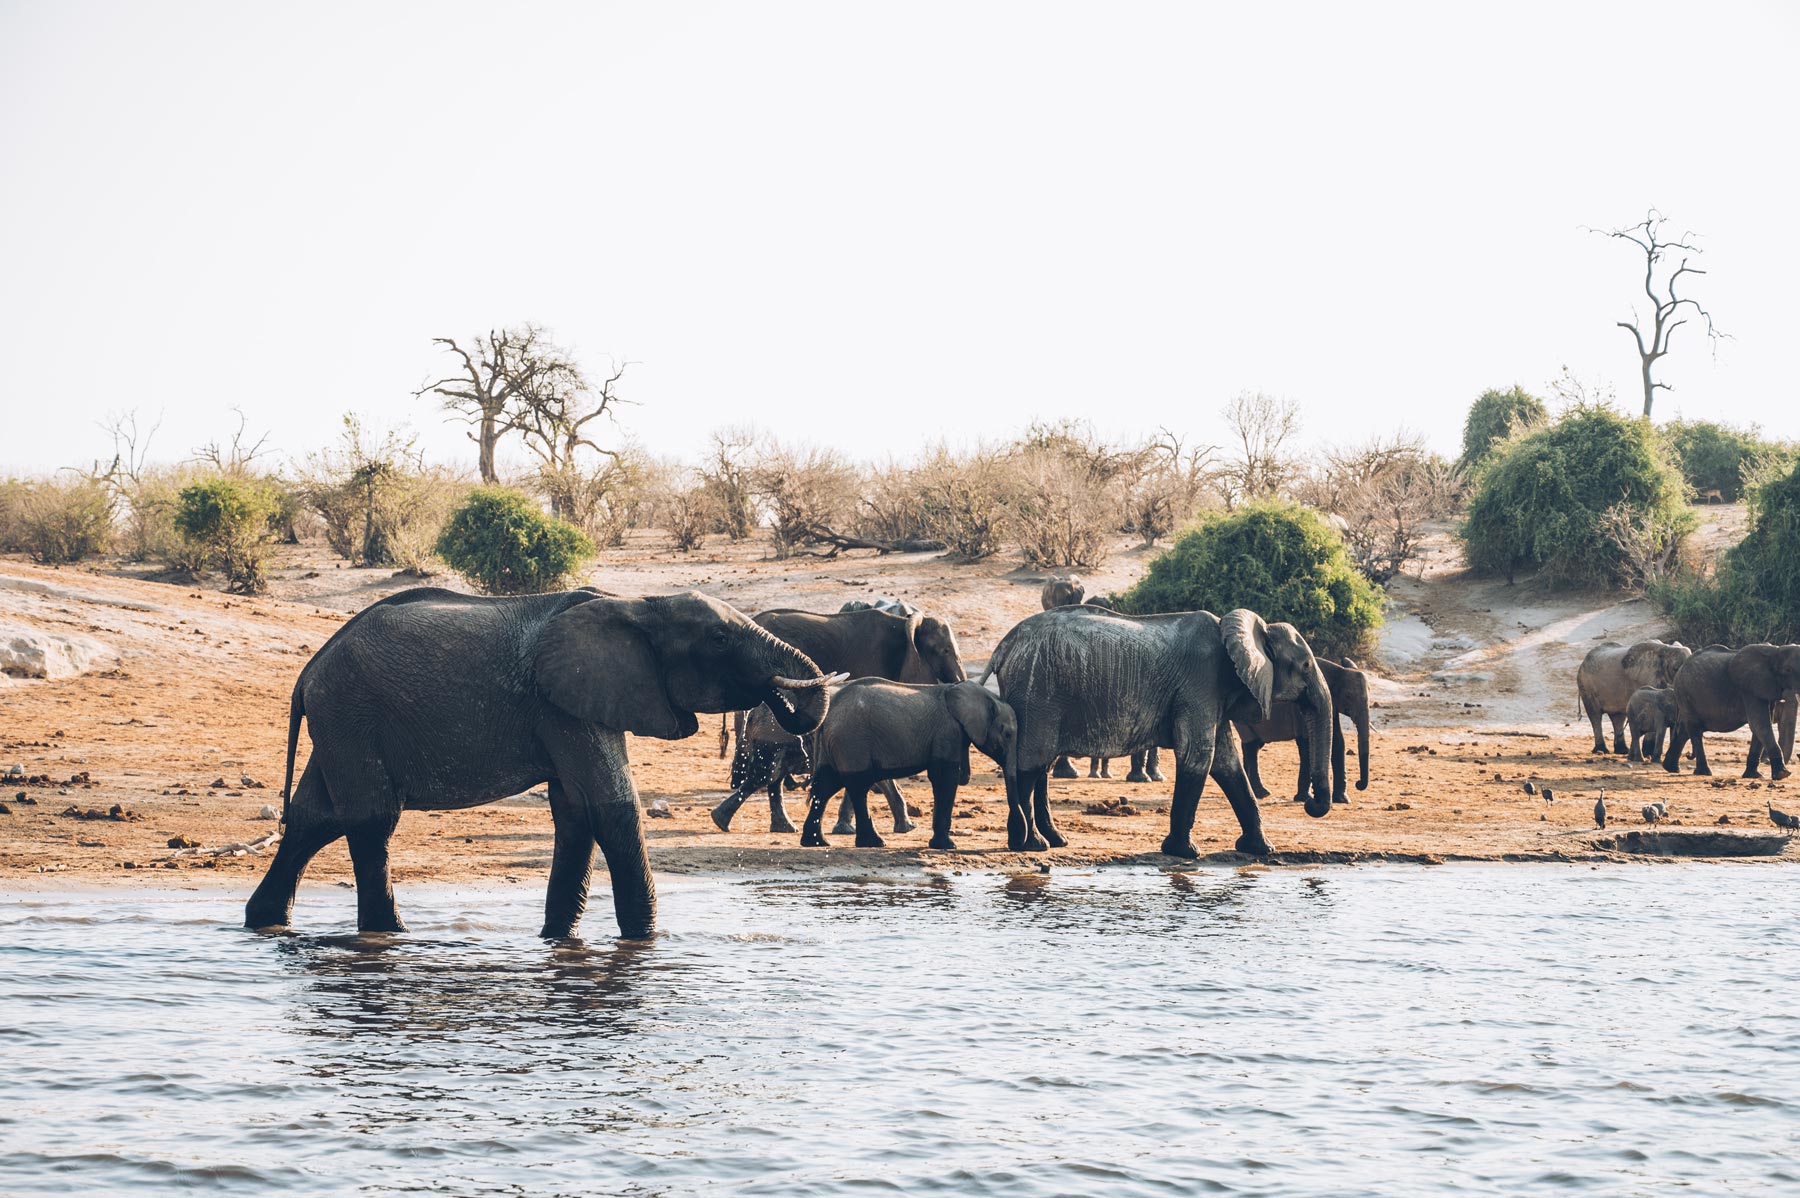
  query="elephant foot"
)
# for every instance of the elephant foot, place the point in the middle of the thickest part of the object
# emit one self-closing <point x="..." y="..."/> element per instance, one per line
<point x="1750" y="772"/>
<point x="1064" y="770"/>
<point x="781" y="824"/>
<point x="871" y="841"/>
<point x="1261" y="793"/>
<point x="1598" y="748"/>
<point x="1299" y="798"/>
<point x="1180" y="847"/>
<point x="843" y="827"/>
<point x="721" y="815"/>
<point x="1703" y="772"/>
<point x="1778" y="772"/>
<point x="812" y="839"/>
<point x="261" y="916"/>
<point x="1256" y="847"/>
<point x="381" y="924"/>
<point x="1137" y="776"/>
<point x="903" y="824"/>
<point x="1031" y="844"/>
<point x="1055" y="839"/>
<point x="942" y="842"/>
<point x="1340" y="798"/>
<point x="1156" y="775"/>
<point x="1672" y="767"/>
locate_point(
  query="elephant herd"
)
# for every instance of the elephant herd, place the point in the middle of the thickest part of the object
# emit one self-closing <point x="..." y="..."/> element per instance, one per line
<point x="1667" y="694"/>
<point x="434" y="700"/>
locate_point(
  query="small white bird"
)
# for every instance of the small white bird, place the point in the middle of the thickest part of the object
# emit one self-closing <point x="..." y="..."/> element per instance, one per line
<point x="1600" y="809"/>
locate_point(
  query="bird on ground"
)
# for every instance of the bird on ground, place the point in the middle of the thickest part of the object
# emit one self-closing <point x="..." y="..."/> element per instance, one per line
<point x="1782" y="819"/>
<point x="1600" y="809"/>
<point x="1529" y="789"/>
<point x="1654" y="813"/>
<point x="1549" y="795"/>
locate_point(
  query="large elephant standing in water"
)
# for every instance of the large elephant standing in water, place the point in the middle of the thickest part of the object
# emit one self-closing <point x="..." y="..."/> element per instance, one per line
<point x="431" y="700"/>
<point x="1102" y="684"/>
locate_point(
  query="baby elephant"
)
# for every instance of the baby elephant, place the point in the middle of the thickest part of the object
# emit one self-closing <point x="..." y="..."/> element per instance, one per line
<point x="1649" y="715"/>
<point x="770" y="757"/>
<point x="878" y="730"/>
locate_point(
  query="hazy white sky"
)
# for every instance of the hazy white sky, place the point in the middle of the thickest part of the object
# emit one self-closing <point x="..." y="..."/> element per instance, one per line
<point x="872" y="225"/>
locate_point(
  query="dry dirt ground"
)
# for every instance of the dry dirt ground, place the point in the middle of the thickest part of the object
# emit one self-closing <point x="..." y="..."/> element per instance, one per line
<point x="189" y="697"/>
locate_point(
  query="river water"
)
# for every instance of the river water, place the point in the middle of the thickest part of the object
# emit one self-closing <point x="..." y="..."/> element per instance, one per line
<point x="1394" y="1030"/>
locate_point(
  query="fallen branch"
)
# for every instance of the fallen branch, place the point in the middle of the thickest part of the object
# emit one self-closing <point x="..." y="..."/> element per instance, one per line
<point x="824" y="535"/>
<point x="237" y="848"/>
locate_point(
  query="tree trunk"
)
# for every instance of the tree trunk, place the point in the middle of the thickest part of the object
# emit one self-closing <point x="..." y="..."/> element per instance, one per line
<point x="490" y="434"/>
<point x="1649" y="388"/>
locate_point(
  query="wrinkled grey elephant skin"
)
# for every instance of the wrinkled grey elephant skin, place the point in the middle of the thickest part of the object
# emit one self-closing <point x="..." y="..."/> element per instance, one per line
<point x="770" y="757"/>
<point x="1102" y="684"/>
<point x="878" y="730"/>
<point x="1722" y="690"/>
<point x="1648" y="718"/>
<point x="430" y="701"/>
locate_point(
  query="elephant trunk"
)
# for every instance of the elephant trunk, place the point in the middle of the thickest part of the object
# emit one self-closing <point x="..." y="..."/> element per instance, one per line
<point x="1315" y="708"/>
<point x="794" y="689"/>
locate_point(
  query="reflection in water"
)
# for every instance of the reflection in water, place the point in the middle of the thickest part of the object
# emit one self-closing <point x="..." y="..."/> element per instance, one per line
<point x="1119" y="1033"/>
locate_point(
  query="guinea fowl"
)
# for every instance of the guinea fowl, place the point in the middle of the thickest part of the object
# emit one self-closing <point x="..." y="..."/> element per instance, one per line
<point x="1782" y="819"/>
<point x="1600" y="809"/>
<point x="1654" y="813"/>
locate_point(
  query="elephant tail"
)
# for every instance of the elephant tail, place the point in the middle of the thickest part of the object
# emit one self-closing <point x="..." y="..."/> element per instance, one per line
<point x="296" y="709"/>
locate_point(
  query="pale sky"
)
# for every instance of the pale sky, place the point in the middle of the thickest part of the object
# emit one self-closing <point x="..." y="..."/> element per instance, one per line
<point x="876" y="225"/>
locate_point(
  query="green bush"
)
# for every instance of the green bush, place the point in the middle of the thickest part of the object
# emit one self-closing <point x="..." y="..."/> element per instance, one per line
<point x="1713" y="456"/>
<point x="1755" y="595"/>
<point x="1494" y="417"/>
<point x="1589" y="500"/>
<point x="380" y="505"/>
<point x="1278" y="559"/>
<point x="228" y="522"/>
<point x="59" y="522"/>
<point x="503" y="544"/>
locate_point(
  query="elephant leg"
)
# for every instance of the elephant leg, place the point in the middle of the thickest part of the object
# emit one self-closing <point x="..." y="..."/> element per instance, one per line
<point x="866" y="835"/>
<point x="778" y="816"/>
<point x="1151" y="766"/>
<point x="1593" y="714"/>
<point x="310" y="827"/>
<point x="1189" y="782"/>
<point x="1762" y="732"/>
<point x="1063" y="768"/>
<point x="896" y="805"/>
<point x="1252" y="752"/>
<point x="943" y="802"/>
<point x="1021" y="834"/>
<point x="728" y="807"/>
<point x="1753" y="762"/>
<point x="1137" y="773"/>
<point x="825" y="783"/>
<point x="1636" y="741"/>
<point x="1701" y="769"/>
<point x="375" y="910"/>
<point x="1228" y="771"/>
<point x="571" y="865"/>
<point x="846" y="817"/>
<point x="1040" y="801"/>
<point x="1678" y="738"/>
<point x="1618" y="727"/>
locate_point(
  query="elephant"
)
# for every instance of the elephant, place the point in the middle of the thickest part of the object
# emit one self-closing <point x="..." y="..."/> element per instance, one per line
<point x="878" y="730"/>
<point x="1349" y="687"/>
<point x="1611" y="673"/>
<point x="1063" y="590"/>
<point x="1651" y="713"/>
<point x="865" y="643"/>
<point x="1103" y="684"/>
<point x="1721" y="690"/>
<point x="432" y="700"/>
<point x="769" y="756"/>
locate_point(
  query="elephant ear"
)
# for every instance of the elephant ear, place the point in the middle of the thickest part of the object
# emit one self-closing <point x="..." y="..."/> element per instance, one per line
<point x="595" y="662"/>
<point x="1752" y="668"/>
<point x="1350" y="664"/>
<point x="1246" y="640"/>
<point x="973" y="708"/>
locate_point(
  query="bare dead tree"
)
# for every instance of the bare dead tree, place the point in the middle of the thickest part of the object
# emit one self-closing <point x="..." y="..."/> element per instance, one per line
<point x="131" y="451"/>
<point x="554" y="408"/>
<point x="233" y="459"/>
<point x="493" y="373"/>
<point x="1262" y="425"/>
<point x="1666" y="305"/>
<point x="728" y="477"/>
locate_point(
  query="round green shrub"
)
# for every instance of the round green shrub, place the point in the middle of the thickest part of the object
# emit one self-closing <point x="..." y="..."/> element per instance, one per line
<point x="1755" y="595"/>
<point x="1544" y="503"/>
<point x="505" y="545"/>
<point x="1277" y="559"/>
<point x="228" y="521"/>
<point x="1494" y="417"/>
<point x="1712" y="456"/>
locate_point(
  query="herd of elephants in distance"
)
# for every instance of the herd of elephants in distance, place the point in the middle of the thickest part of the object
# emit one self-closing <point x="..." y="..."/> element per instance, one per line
<point x="435" y="700"/>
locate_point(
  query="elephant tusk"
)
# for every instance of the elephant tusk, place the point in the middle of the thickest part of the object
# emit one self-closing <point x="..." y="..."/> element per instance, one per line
<point x="803" y="684"/>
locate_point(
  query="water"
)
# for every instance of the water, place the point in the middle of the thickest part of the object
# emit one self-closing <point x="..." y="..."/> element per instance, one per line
<point x="1527" y="1029"/>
